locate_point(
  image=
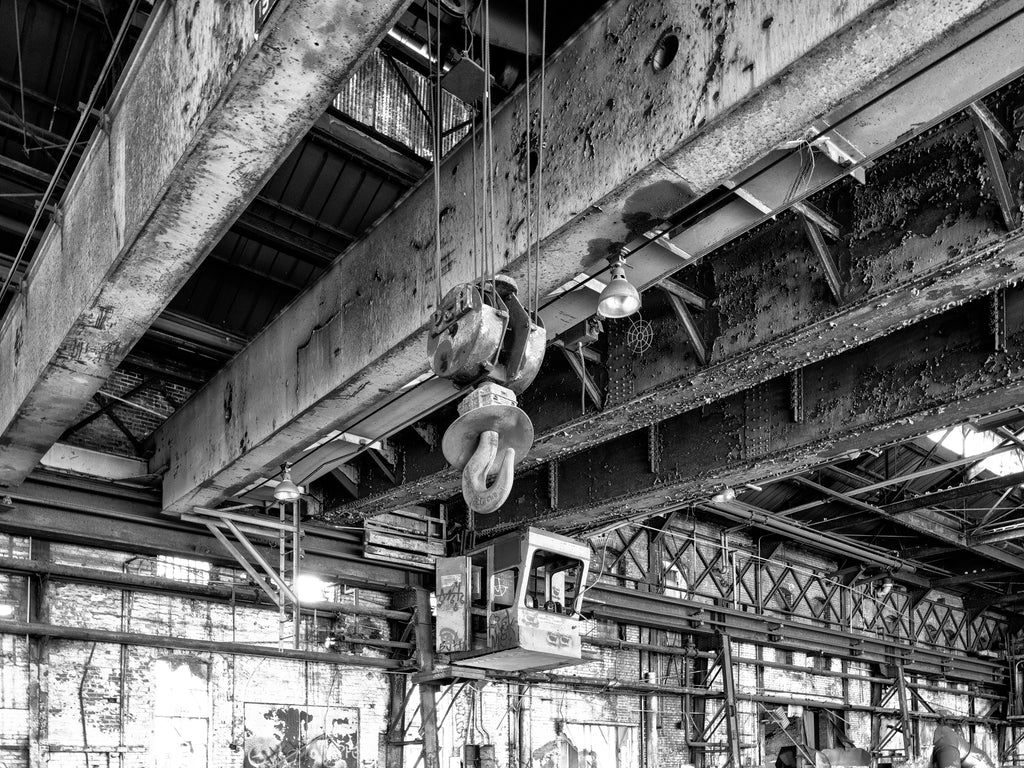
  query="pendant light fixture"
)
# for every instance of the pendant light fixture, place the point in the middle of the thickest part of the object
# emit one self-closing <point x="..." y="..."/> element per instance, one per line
<point x="286" y="490"/>
<point x="620" y="298"/>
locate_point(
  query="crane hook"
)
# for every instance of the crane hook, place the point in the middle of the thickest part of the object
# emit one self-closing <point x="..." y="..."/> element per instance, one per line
<point x="484" y="463"/>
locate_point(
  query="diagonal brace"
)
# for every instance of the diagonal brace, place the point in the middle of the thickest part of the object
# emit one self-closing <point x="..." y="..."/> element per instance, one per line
<point x="685" y="317"/>
<point x="990" y="135"/>
<point x="589" y="385"/>
<point x="242" y="561"/>
<point x="824" y="254"/>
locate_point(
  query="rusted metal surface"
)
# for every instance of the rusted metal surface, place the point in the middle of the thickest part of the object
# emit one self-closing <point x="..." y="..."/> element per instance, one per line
<point x="204" y="113"/>
<point x="922" y="237"/>
<point x="633" y="145"/>
<point x="931" y="374"/>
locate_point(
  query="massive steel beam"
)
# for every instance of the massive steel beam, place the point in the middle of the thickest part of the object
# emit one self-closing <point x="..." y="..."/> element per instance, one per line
<point x="204" y="113"/>
<point x="634" y="144"/>
<point x="774" y="316"/>
<point x="929" y="375"/>
<point x="54" y="508"/>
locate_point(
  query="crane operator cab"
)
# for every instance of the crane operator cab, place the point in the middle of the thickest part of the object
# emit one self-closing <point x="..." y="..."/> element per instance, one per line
<point x="513" y="604"/>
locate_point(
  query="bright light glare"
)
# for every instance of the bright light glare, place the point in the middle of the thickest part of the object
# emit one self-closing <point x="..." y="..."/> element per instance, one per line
<point x="6" y="610"/>
<point x="311" y="589"/>
<point x="966" y="441"/>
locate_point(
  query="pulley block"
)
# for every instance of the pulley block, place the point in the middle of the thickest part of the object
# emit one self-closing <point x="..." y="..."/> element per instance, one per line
<point x="486" y="334"/>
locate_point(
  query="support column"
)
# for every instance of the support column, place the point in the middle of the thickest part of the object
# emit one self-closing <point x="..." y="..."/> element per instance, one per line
<point x="38" y="665"/>
<point x="910" y="745"/>
<point x="428" y="691"/>
<point x="732" y="723"/>
<point x="525" y="741"/>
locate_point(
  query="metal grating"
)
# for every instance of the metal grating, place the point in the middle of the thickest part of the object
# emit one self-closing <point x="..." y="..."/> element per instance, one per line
<point x="394" y="99"/>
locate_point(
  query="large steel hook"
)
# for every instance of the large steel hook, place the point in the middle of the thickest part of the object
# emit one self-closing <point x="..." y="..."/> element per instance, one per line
<point x="486" y="462"/>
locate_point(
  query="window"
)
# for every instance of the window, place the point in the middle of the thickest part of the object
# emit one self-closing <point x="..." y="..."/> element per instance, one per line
<point x="503" y="588"/>
<point x="553" y="582"/>
<point x="590" y="745"/>
<point x="183" y="569"/>
<point x="967" y="441"/>
<point x="181" y="712"/>
<point x="675" y="581"/>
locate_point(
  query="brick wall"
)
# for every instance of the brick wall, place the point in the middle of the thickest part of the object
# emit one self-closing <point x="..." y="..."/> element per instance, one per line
<point x="104" y="704"/>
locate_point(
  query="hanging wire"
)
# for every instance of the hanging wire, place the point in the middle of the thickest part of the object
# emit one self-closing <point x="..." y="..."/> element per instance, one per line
<point x="21" y="76"/>
<point x="528" y="152"/>
<point x="436" y="99"/>
<point x="541" y="141"/>
<point x="468" y="39"/>
<point x="489" y="142"/>
<point x="64" y="66"/>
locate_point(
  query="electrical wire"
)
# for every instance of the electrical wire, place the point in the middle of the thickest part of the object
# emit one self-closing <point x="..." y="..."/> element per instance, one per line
<point x="21" y="78"/>
<point x="64" y="66"/>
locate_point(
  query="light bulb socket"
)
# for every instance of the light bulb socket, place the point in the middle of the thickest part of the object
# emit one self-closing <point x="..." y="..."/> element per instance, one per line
<point x="620" y="298"/>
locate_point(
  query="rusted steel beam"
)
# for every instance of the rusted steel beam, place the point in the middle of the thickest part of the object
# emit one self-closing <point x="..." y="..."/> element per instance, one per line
<point x="926" y="376"/>
<point x="357" y="336"/>
<point x="50" y="507"/>
<point x="773" y="321"/>
<point x="177" y="162"/>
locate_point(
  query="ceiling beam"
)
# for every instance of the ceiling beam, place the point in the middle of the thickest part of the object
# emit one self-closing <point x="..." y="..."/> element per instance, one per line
<point x="931" y="374"/>
<point x="285" y="240"/>
<point x="181" y="158"/>
<point x="946" y="530"/>
<point x="90" y="513"/>
<point x="973" y="490"/>
<point x="358" y="336"/>
<point x="771" y="328"/>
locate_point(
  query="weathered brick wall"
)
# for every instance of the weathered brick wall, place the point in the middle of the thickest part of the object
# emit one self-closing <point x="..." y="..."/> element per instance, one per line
<point x="105" y="704"/>
<point x="102" y="700"/>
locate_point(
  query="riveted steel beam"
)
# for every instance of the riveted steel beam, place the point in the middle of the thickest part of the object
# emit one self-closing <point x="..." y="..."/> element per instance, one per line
<point x="773" y="321"/>
<point x="924" y="377"/>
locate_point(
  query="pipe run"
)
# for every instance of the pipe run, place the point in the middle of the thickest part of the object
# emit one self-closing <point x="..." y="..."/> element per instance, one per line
<point x="218" y="592"/>
<point x="39" y="629"/>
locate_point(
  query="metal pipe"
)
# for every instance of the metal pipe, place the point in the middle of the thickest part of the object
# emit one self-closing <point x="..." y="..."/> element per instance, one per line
<point x="631" y="686"/>
<point x="219" y="592"/>
<point x="296" y="554"/>
<point x="39" y="629"/>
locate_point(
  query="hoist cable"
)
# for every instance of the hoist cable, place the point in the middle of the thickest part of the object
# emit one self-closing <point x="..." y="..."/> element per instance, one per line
<point x="541" y="140"/>
<point x="489" y="143"/>
<point x="477" y="270"/>
<point x="436" y="149"/>
<point x="527" y="153"/>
